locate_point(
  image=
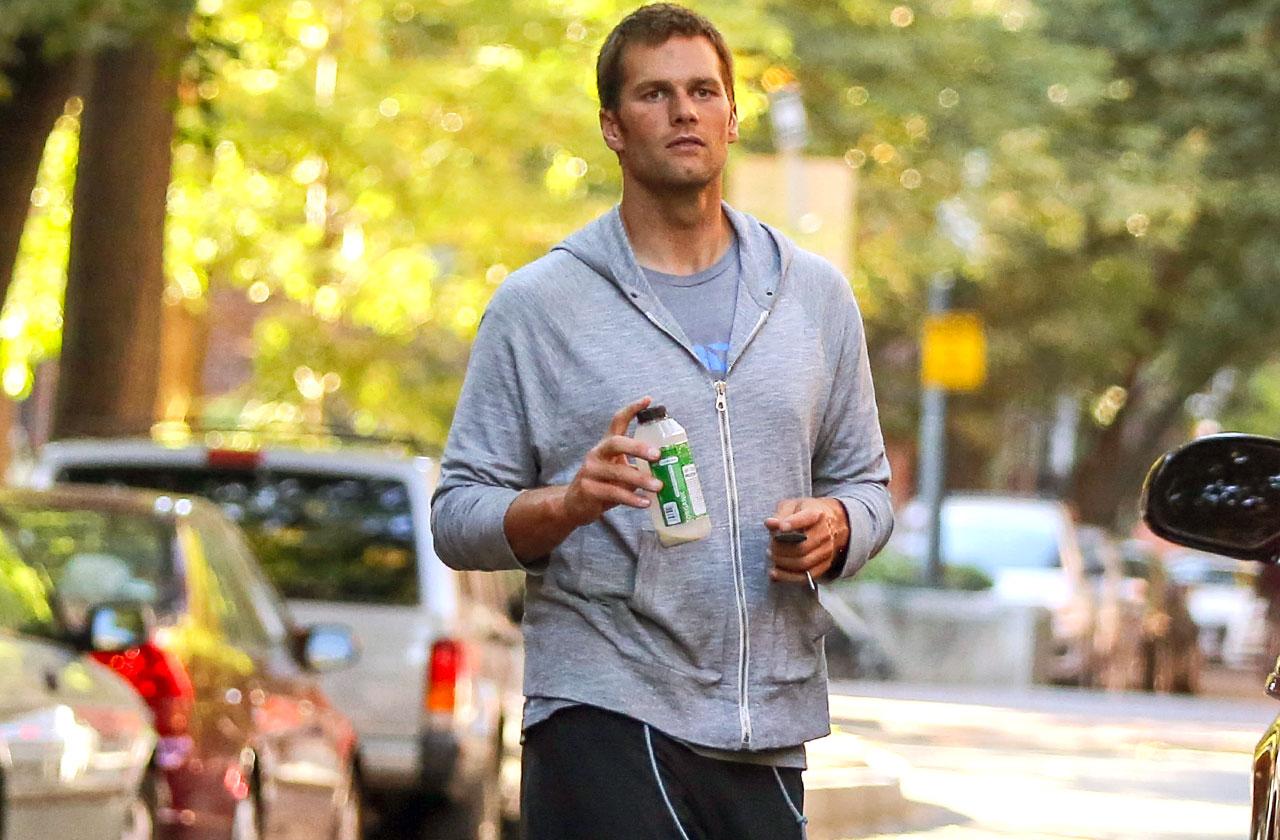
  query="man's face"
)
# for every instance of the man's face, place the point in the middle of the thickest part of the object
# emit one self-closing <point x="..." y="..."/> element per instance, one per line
<point x="674" y="121"/>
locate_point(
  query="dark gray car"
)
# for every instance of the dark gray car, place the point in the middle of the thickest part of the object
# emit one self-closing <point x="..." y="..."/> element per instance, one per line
<point x="76" y="741"/>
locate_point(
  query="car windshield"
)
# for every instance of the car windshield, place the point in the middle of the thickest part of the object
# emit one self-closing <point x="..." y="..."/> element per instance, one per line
<point x="997" y="537"/>
<point x="95" y="556"/>
<point x="318" y="537"/>
<point x="25" y="606"/>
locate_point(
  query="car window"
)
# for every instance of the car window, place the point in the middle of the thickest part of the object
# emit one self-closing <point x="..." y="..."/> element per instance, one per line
<point x="97" y="556"/>
<point x="318" y="537"/>
<point x="228" y="596"/>
<point x="991" y="537"/>
<point x="24" y="595"/>
<point x="262" y="596"/>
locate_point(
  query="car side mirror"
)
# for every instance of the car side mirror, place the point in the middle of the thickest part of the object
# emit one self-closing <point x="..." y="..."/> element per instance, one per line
<point x="118" y="626"/>
<point x="1219" y="494"/>
<point x="328" y="647"/>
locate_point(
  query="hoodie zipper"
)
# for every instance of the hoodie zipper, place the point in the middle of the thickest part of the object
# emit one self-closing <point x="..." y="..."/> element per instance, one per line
<point x="735" y="529"/>
<point x="735" y="552"/>
<point x="735" y="541"/>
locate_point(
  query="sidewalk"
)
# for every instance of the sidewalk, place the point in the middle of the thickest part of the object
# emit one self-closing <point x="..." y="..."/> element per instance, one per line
<point x="849" y="786"/>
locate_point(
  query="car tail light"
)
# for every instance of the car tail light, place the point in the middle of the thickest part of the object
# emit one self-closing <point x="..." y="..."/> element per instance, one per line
<point x="233" y="459"/>
<point x="162" y="681"/>
<point x="443" y="673"/>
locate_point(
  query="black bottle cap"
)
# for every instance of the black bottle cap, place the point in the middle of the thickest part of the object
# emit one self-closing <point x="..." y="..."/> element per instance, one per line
<point x="655" y="412"/>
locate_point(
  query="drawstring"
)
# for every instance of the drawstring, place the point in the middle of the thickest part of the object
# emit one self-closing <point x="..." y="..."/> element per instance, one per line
<point x="801" y="819"/>
<point x="653" y="762"/>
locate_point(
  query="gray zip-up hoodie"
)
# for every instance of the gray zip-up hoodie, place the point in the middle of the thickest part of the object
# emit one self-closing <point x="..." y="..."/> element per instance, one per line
<point x="695" y="639"/>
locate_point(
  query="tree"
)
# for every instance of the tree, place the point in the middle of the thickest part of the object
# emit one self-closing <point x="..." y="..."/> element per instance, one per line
<point x="108" y="367"/>
<point x="380" y="168"/>
<point x="115" y="280"/>
<point x="1182" y="217"/>
<point x="38" y="89"/>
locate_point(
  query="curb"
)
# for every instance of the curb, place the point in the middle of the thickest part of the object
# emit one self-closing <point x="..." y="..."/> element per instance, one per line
<point x="845" y="790"/>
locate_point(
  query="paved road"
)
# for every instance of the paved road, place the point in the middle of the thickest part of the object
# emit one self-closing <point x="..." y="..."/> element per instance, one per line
<point x="1057" y="764"/>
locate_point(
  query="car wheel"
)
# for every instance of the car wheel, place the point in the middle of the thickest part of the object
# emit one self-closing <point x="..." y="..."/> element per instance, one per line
<point x="140" y="816"/>
<point x="478" y="817"/>
<point x="349" y="823"/>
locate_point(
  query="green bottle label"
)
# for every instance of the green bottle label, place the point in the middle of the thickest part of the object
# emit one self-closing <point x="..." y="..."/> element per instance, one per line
<point x="680" y="499"/>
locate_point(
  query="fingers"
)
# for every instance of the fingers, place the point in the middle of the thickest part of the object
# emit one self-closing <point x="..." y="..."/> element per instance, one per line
<point x="814" y="556"/>
<point x="785" y="508"/>
<point x="813" y="552"/>
<point x="622" y="474"/>
<point x="791" y="517"/>
<point x="815" y="572"/>
<point x="607" y="495"/>
<point x="614" y="446"/>
<point x="622" y="420"/>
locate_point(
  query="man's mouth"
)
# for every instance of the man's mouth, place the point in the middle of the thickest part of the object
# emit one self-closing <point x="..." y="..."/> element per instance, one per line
<point x="686" y="142"/>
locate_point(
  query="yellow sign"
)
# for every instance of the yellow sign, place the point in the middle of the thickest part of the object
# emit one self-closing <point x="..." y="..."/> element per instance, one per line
<point x="953" y="353"/>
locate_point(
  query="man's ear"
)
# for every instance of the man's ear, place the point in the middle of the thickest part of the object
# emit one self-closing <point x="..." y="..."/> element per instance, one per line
<point x="733" y="123"/>
<point x="611" y="130"/>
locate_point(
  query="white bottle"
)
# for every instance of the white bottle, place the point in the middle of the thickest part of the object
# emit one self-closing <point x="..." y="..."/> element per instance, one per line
<point x="678" y="510"/>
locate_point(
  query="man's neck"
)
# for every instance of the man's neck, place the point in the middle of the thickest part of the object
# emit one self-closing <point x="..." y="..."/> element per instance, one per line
<point x="676" y="234"/>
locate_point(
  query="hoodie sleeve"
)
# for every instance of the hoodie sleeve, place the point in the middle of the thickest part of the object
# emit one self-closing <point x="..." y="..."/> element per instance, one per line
<point x="849" y="462"/>
<point x="490" y="456"/>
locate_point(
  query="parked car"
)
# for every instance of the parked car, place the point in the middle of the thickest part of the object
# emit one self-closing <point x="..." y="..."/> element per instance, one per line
<point x="1030" y="547"/>
<point x="343" y="532"/>
<point x="1222" y="596"/>
<point x="76" y="740"/>
<point x="249" y="746"/>
<point x="1221" y="494"/>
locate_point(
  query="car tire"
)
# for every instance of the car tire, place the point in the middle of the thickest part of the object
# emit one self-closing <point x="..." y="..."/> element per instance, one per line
<point x="349" y="822"/>
<point x="478" y="817"/>
<point x="140" y="815"/>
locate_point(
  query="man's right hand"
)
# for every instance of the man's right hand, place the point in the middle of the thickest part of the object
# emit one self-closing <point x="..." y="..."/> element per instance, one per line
<point x="543" y="517"/>
<point x="606" y="478"/>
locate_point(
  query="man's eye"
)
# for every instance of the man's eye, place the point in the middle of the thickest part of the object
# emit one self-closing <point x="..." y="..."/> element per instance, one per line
<point x="653" y="95"/>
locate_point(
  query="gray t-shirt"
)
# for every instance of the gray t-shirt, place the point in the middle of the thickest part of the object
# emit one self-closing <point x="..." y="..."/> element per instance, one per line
<point x="703" y="305"/>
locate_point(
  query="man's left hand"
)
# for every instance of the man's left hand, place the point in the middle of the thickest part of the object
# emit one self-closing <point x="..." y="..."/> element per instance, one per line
<point x="826" y="528"/>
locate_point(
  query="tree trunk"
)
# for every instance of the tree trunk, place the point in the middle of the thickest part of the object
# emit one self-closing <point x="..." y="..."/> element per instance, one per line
<point x="185" y="341"/>
<point x="115" y="280"/>
<point x="1107" y="480"/>
<point x="40" y="91"/>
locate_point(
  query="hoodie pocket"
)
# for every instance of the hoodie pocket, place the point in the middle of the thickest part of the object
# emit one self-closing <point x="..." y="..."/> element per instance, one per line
<point x="593" y="565"/>
<point x="678" y="615"/>
<point x="799" y="624"/>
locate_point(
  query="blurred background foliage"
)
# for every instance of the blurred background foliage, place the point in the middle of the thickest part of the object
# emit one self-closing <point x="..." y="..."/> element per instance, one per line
<point x="366" y="172"/>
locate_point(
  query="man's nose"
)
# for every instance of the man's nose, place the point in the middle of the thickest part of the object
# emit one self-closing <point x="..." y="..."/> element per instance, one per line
<point x="682" y="109"/>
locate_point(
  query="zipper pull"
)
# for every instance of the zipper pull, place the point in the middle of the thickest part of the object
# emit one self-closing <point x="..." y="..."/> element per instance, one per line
<point x="722" y="403"/>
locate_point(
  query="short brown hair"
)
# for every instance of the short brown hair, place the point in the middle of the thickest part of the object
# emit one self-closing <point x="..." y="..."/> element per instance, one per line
<point x="653" y="25"/>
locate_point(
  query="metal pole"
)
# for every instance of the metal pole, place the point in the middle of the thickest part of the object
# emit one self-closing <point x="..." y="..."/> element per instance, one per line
<point x="793" y="172"/>
<point x="933" y="440"/>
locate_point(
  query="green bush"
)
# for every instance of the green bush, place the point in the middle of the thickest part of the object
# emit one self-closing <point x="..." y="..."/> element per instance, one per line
<point x="894" y="569"/>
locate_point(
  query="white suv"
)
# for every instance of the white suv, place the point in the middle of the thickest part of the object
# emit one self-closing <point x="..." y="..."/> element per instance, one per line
<point x="344" y="534"/>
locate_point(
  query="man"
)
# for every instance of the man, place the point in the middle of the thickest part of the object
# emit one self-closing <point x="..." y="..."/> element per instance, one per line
<point x="670" y="689"/>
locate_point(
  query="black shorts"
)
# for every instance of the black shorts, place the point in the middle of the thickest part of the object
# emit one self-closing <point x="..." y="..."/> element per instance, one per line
<point x="589" y="774"/>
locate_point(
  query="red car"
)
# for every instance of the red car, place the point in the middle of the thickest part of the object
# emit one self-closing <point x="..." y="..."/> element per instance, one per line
<point x="248" y="746"/>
